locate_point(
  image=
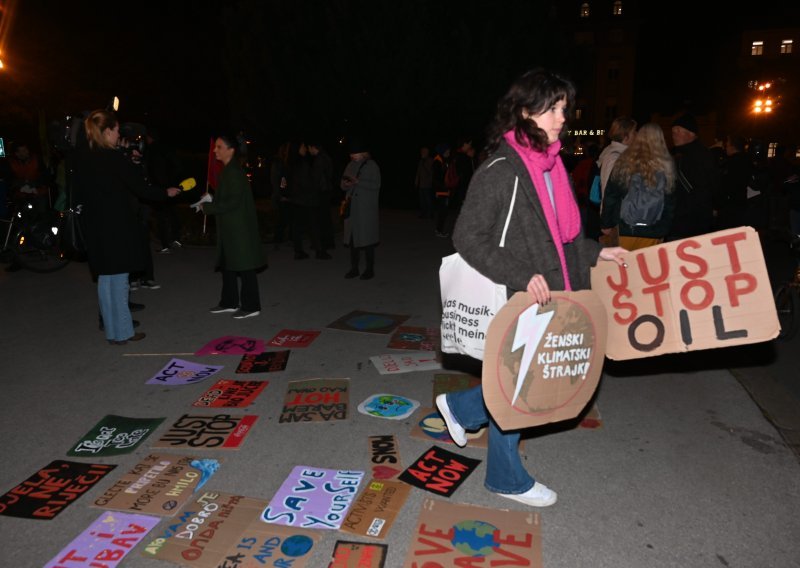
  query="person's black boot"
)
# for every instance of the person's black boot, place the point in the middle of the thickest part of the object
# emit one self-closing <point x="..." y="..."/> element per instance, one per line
<point x="352" y="274"/>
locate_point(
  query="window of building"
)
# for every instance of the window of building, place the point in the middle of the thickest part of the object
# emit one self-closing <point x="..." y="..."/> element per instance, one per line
<point x="771" y="149"/>
<point x="786" y="46"/>
<point x="617" y="10"/>
<point x="585" y="10"/>
<point x="578" y="113"/>
<point x="757" y="48"/>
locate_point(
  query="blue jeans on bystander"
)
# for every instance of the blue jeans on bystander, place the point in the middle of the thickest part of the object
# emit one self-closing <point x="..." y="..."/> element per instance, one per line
<point x="504" y="470"/>
<point x="112" y="292"/>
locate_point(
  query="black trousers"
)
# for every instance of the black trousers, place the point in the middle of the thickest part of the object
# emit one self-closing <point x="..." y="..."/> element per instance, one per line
<point x="369" y="254"/>
<point x="304" y="222"/>
<point x="249" y="300"/>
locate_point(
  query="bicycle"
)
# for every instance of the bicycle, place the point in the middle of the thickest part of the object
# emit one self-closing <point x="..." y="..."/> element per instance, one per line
<point x="787" y="300"/>
<point x="32" y="239"/>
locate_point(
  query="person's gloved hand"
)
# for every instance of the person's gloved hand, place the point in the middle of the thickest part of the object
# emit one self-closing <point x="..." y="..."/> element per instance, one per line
<point x="198" y="205"/>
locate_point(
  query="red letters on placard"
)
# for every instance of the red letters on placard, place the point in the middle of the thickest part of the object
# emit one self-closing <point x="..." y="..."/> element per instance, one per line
<point x="697" y="294"/>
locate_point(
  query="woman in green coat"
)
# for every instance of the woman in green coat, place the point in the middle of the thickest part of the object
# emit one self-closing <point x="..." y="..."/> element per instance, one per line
<point x="239" y="250"/>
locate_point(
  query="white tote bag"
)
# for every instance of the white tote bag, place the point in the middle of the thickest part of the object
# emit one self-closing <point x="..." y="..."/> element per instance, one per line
<point x="469" y="301"/>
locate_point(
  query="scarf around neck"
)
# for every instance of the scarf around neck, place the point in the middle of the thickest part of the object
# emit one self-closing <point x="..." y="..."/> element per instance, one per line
<point x="564" y="223"/>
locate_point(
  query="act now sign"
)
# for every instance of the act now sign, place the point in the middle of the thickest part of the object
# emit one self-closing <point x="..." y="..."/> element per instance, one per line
<point x="698" y="293"/>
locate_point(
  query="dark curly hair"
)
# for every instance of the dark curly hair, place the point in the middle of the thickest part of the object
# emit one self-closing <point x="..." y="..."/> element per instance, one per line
<point x="534" y="91"/>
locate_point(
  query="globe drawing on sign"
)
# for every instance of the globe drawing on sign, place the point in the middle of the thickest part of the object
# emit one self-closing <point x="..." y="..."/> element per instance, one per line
<point x="475" y="538"/>
<point x="296" y="545"/>
<point x="370" y="321"/>
<point x="433" y="425"/>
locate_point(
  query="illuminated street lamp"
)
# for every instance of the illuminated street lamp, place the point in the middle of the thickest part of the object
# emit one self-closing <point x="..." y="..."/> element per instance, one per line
<point x="763" y="104"/>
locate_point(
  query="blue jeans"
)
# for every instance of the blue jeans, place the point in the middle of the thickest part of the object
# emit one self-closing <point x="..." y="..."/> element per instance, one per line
<point x="504" y="470"/>
<point x="112" y="291"/>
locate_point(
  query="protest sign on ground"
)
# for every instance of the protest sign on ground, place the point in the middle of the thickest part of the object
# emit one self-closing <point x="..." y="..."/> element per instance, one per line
<point x="219" y="529"/>
<point x="105" y="542"/>
<point x="452" y="534"/>
<point x="315" y="400"/>
<point x="114" y="435"/>
<point x="368" y="322"/>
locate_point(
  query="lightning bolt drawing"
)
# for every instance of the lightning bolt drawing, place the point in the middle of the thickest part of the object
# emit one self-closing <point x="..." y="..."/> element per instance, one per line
<point x="531" y="326"/>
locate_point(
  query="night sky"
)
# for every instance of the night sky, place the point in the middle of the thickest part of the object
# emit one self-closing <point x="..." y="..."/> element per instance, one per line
<point x="402" y="73"/>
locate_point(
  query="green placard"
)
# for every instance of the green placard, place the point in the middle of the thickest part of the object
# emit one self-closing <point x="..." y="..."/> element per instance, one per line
<point x="113" y="436"/>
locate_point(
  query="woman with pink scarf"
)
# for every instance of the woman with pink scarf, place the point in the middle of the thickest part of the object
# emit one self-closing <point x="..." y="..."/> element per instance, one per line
<point x="523" y="180"/>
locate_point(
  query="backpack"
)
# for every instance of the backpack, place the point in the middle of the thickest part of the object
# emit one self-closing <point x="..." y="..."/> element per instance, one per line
<point x="642" y="206"/>
<point x="595" y="196"/>
<point x="451" y="178"/>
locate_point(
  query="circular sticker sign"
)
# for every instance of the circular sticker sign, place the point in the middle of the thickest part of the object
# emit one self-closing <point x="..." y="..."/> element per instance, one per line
<point x="542" y="363"/>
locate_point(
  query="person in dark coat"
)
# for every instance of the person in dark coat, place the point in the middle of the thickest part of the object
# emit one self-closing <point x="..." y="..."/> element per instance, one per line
<point x="736" y="173"/>
<point x="239" y="250"/>
<point x="108" y="185"/>
<point x="303" y="198"/>
<point x="697" y="181"/>
<point x="521" y="197"/>
<point x="322" y="180"/>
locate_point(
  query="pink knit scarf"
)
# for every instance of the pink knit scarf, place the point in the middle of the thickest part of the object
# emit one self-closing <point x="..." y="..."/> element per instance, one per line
<point x="565" y="222"/>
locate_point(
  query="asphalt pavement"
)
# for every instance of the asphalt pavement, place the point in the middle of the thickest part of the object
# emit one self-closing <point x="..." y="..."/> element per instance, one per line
<point x="693" y="464"/>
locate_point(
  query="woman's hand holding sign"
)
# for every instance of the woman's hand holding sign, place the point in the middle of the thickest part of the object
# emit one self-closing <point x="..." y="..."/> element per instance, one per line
<point x="540" y="291"/>
<point x="613" y="253"/>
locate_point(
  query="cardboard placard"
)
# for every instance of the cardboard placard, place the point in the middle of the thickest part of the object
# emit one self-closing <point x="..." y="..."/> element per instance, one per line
<point x="348" y="554"/>
<point x="218" y="431"/>
<point x="313" y="497"/>
<point x="451" y="534"/>
<point x="376" y="508"/>
<point x="389" y="406"/>
<point x="316" y="400"/>
<point x="394" y="363"/>
<point x="368" y="322"/>
<point x="52" y="489"/>
<point x="114" y="435"/>
<point x="416" y="338"/>
<point x="180" y="372"/>
<point x="431" y="427"/>
<point x="158" y="485"/>
<point x="266" y="362"/>
<point x="231" y="394"/>
<point x="384" y="455"/>
<point x="232" y="345"/>
<point x="439" y="471"/>
<point x="542" y="363"/>
<point x="293" y="338"/>
<point x="698" y="293"/>
<point x="105" y="542"/>
<point x="220" y="530"/>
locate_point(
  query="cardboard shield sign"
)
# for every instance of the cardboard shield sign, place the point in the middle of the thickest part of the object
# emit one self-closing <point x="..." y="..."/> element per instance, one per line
<point x="542" y="363"/>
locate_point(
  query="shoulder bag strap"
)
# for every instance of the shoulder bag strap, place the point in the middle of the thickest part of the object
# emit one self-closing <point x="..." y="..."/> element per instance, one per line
<point x="510" y="209"/>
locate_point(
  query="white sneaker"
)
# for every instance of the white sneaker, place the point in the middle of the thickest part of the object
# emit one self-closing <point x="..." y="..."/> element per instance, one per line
<point x="149" y="284"/>
<point x="537" y="496"/>
<point x="134" y="285"/>
<point x="241" y="314"/>
<point x="221" y="310"/>
<point x="457" y="433"/>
